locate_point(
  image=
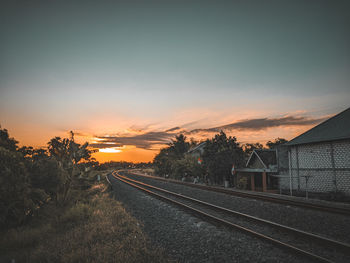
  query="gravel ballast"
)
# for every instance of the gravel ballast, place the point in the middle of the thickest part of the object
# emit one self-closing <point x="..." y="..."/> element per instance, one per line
<point x="330" y="225"/>
<point x="187" y="238"/>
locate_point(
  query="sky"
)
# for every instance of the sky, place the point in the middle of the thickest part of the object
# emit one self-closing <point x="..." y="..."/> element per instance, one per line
<point x="128" y="76"/>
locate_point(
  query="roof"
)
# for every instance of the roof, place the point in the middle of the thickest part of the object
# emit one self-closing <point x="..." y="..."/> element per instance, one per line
<point x="335" y="128"/>
<point x="197" y="147"/>
<point x="266" y="156"/>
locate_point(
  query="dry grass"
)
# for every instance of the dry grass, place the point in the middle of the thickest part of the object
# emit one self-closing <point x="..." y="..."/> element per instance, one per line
<point x="98" y="230"/>
<point x="149" y="171"/>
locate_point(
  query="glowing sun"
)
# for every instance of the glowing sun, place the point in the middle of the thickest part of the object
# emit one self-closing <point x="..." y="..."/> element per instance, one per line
<point x="110" y="150"/>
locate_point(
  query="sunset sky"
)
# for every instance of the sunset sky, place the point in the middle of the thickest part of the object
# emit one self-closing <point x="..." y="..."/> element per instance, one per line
<point x="130" y="75"/>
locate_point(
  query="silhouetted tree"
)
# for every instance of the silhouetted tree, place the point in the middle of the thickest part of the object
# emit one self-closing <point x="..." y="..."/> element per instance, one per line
<point x="68" y="154"/>
<point x="15" y="201"/>
<point x="187" y="166"/>
<point x="164" y="161"/>
<point x="30" y="177"/>
<point x="6" y="142"/>
<point x="275" y="143"/>
<point x="179" y="146"/>
<point x="44" y="172"/>
<point x="220" y="153"/>
<point x="250" y="147"/>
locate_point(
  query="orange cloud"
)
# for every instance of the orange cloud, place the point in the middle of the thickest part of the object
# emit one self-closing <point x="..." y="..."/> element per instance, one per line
<point x="257" y="128"/>
<point x="140" y="143"/>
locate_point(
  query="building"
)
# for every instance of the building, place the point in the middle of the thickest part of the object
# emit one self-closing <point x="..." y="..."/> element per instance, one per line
<point x="197" y="150"/>
<point x="319" y="159"/>
<point x="262" y="168"/>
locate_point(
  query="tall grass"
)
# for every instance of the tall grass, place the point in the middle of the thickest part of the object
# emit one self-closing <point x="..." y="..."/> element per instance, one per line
<point x="95" y="230"/>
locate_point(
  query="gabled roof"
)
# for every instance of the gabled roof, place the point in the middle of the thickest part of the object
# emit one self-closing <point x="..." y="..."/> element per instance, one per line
<point x="197" y="147"/>
<point x="266" y="156"/>
<point x="335" y="128"/>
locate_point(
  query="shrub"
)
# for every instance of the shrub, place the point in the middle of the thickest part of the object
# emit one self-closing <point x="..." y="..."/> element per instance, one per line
<point x="76" y="214"/>
<point x="108" y="234"/>
<point x="242" y="183"/>
<point x="92" y="227"/>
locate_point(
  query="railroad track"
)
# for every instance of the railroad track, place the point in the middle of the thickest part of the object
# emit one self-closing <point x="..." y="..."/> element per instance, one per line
<point x="286" y="236"/>
<point x="319" y="207"/>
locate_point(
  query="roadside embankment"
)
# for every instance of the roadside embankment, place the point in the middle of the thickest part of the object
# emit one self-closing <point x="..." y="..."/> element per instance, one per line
<point x="95" y="228"/>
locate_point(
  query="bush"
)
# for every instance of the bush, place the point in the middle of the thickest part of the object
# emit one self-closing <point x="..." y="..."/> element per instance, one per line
<point x="187" y="167"/>
<point x="242" y="183"/>
<point x="96" y="230"/>
<point x="76" y="214"/>
<point x="108" y="234"/>
<point x="15" y="202"/>
<point x="23" y="237"/>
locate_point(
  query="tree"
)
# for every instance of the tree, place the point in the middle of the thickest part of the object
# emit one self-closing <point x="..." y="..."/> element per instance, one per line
<point x="15" y="201"/>
<point x="275" y="143"/>
<point x="194" y="142"/>
<point x="164" y="161"/>
<point x="44" y="172"/>
<point x="250" y="147"/>
<point x="187" y="166"/>
<point x="30" y="177"/>
<point x="68" y="154"/>
<point x="220" y="153"/>
<point x="179" y="146"/>
<point x="6" y="142"/>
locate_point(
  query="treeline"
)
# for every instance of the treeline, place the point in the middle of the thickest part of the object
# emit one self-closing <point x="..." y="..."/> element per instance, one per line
<point x="213" y="166"/>
<point x="32" y="177"/>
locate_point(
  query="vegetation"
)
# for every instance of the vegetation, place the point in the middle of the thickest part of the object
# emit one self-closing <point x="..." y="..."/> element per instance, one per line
<point x="31" y="177"/>
<point x="275" y="143"/>
<point x="54" y="209"/>
<point x="220" y="154"/>
<point x="94" y="228"/>
<point x="17" y="198"/>
<point x="187" y="167"/>
<point x="250" y="147"/>
<point x="168" y="158"/>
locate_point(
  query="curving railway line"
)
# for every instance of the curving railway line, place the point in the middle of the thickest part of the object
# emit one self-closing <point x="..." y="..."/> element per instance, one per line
<point x="274" y="199"/>
<point x="312" y="246"/>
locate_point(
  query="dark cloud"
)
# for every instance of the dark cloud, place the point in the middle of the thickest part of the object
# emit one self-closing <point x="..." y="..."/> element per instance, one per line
<point x="173" y="129"/>
<point x="102" y="144"/>
<point x="193" y="123"/>
<point x="149" y="139"/>
<point x="263" y="123"/>
<point x="144" y="141"/>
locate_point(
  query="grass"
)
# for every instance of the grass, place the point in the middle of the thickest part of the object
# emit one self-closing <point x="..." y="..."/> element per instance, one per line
<point x="96" y="229"/>
<point x="149" y="171"/>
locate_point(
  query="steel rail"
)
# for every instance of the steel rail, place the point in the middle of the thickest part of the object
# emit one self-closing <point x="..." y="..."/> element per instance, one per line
<point x="229" y="224"/>
<point x="318" y="238"/>
<point x="324" y="208"/>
